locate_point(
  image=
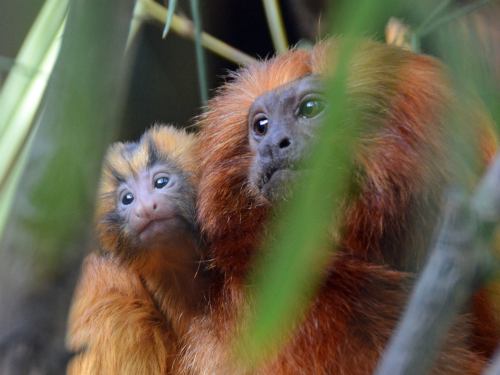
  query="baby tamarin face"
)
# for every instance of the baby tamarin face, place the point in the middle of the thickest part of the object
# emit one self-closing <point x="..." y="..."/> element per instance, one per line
<point x="281" y="123"/>
<point x="147" y="193"/>
<point x="155" y="203"/>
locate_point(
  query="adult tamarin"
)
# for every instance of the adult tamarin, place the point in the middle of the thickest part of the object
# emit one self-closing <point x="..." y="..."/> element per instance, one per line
<point x="255" y="130"/>
<point x="137" y="295"/>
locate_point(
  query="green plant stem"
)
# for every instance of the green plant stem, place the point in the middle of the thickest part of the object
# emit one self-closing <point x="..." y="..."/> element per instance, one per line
<point x="172" y="4"/>
<point x="184" y="28"/>
<point x="32" y="52"/>
<point x="460" y="12"/>
<point x="276" y="25"/>
<point x="10" y="183"/>
<point x="436" y="12"/>
<point x="135" y="23"/>
<point x="21" y="123"/>
<point x="200" y="57"/>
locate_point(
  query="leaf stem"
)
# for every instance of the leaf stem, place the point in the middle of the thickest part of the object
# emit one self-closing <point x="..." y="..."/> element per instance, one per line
<point x="184" y="28"/>
<point x="460" y="12"/>
<point x="200" y="58"/>
<point x="276" y="25"/>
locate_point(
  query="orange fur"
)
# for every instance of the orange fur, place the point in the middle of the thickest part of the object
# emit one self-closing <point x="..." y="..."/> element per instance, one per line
<point x="117" y="325"/>
<point x="405" y="162"/>
<point x="130" y="311"/>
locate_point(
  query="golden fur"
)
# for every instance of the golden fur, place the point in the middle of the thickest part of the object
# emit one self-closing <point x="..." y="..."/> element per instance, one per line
<point x="405" y="160"/>
<point x="403" y="98"/>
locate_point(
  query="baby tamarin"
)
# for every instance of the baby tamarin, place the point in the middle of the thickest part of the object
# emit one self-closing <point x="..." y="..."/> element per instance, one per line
<point x="136" y="297"/>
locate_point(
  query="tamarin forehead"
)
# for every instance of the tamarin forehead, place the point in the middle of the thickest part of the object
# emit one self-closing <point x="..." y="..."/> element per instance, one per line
<point x="160" y="144"/>
<point x="264" y="76"/>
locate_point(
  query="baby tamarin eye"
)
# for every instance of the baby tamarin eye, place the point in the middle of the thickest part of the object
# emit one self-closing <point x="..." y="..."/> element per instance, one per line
<point x="161" y="182"/>
<point x="127" y="198"/>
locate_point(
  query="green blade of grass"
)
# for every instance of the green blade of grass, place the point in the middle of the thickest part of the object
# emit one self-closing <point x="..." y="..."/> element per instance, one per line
<point x="290" y="268"/>
<point x="458" y="13"/>
<point x="172" y="4"/>
<point x="75" y="125"/>
<point x="432" y="16"/>
<point x="31" y="54"/>
<point x="21" y="122"/>
<point x="276" y="25"/>
<point x="200" y="57"/>
<point x="9" y="186"/>
<point x="184" y="27"/>
<point x="27" y="88"/>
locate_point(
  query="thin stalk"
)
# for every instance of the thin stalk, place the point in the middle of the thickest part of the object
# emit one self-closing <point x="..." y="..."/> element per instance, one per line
<point x="436" y="12"/>
<point x="9" y="185"/>
<point x="135" y="23"/>
<point x="32" y="52"/>
<point x="185" y="28"/>
<point x="276" y="25"/>
<point x="460" y="12"/>
<point x="15" y="136"/>
<point x="172" y="4"/>
<point x="200" y="57"/>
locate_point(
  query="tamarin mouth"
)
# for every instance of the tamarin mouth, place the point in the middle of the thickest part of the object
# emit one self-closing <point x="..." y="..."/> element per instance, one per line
<point x="267" y="176"/>
<point x="284" y="171"/>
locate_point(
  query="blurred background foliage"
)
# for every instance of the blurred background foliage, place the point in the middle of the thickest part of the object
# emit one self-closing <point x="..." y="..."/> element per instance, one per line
<point x="101" y="90"/>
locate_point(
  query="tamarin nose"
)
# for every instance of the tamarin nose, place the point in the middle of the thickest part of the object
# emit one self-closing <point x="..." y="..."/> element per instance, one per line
<point x="277" y="149"/>
<point x="144" y="210"/>
<point x="284" y="143"/>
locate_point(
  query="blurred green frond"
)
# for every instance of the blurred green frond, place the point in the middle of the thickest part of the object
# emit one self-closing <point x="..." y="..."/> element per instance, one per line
<point x="32" y="53"/>
<point x="6" y="63"/>
<point x="437" y="11"/>
<point x="21" y="96"/>
<point x="291" y="266"/>
<point x="460" y="12"/>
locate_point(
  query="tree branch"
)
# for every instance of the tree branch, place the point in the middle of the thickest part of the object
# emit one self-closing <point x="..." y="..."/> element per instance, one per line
<point x="460" y="262"/>
<point x="185" y="28"/>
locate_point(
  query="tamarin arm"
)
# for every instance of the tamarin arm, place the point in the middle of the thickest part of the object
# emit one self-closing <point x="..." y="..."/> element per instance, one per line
<point x="114" y="325"/>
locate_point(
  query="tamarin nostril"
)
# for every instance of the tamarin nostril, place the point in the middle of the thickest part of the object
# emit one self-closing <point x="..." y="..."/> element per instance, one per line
<point x="284" y="143"/>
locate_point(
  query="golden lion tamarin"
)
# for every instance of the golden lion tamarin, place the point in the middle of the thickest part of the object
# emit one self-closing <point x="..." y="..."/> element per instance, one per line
<point x="247" y="161"/>
<point x="137" y="295"/>
<point x="255" y="130"/>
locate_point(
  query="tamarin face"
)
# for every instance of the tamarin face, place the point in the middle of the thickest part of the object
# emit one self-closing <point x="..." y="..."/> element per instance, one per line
<point x="147" y="194"/>
<point x="281" y="124"/>
<point x="154" y="202"/>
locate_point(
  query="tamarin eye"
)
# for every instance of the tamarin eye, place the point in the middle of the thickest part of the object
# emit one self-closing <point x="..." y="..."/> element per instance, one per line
<point x="310" y="108"/>
<point x="260" y="126"/>
<point x="160" y="182"/>
<point x="128" y="198"/>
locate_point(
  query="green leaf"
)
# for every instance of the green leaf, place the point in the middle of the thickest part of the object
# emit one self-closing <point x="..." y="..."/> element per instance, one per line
<point x="172" y="4"/>
<point x="200" y="55"/>
<point x="288" y="273"/>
